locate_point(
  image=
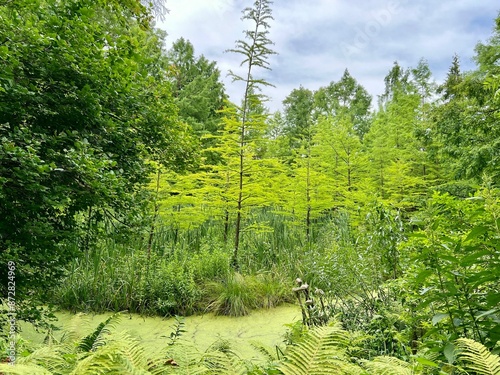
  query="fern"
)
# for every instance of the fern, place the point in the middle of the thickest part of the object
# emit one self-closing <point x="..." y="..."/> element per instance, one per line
<point x="19" y="369"/>
<point x="321" y="351"/>
<point x="72" y="330"/>
<point x="389" y="366"/>
<point x="478" y="358"/>
<point x="178" y="330"/>
<point x="270" y="354"/>
<point x="51" y="358"/>
<point x="220" y="363"/>
<point x="217" y="359"/>
<point x="121" y="355"/>
<point x="91" y="342"/>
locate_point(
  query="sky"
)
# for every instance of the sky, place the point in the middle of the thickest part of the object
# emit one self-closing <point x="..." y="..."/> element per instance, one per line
<point x="316" y="40"/>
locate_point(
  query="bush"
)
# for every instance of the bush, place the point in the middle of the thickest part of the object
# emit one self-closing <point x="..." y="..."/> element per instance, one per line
<point x="210" y="265"/>
<point x="171" y="290"/>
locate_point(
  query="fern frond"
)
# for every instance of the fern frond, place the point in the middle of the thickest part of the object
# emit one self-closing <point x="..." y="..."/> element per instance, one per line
<point x="220" y="363"/>
<point x="94" y="364"/>
<point x="19" y="369"/>
<point x="321" y="351"/>
<point x="478" y="358"/>
<point x="270" y="354"/>
<point x="48" y="357"/>
<point x="131" y="354"/>
<point x="121" y="355"/>
<point x="72" y="330"/>
<point x="217" y="359"/>
<point x="388" y="366"/>
<point x="96" y="339"/>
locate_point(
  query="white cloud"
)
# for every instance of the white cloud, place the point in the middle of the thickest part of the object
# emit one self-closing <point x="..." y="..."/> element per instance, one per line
<point x="311" y="37"/>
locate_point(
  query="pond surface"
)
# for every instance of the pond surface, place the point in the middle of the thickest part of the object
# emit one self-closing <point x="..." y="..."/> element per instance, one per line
<point x="265" y="326"/>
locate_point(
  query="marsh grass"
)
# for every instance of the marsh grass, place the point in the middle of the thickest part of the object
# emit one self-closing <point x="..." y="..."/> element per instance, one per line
<point x="186" y="271"/>
<point x="114" y="278"/>
<point x="273" y="288"/>
<point x="235" y="296"/>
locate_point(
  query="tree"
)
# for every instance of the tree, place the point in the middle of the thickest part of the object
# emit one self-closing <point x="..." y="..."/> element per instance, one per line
<point x="454" y="77"/>
<point x="339" y="151"/>
<point x="157" y="7"/>
<point x="298" y="111"/>
<point x="345" y="97"/>
<point x="83" y="105"/>
<point x="467" y="121"/>
<point x="197" y="90"/>
<point x="255" y="53"/>
<point x="299" y="107"/>
<point x="397" y="81"/>
<point x="398" y="157"/>
<point x="422" y="79"/>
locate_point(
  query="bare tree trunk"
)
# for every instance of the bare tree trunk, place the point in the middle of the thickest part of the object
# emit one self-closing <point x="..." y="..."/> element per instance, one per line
<point x="237" y="229"/>
<point x="308" y="194"/>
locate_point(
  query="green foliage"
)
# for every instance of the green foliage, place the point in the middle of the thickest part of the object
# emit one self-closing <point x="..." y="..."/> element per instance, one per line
<point x="399" y="168"/>
<point x="383" y="233"/>
<point x="93" y="341"/>
<point x="322" y="350"/>
<point x="235" y="296"/>
<point x="337" y="150"/>
<point x="478" y="358"/>
<point x="118" y="354"/>
<point x="389" y="366"/>
<point x="466" y="121"/>
<point x="456" y="267"/>
<point x="249" y="118"/>
<point x="217" y="358"/>
<point x="174" y="290"/>
<point x="83" y="106"/>
<point x="92" y="107"/>
<point x="345" y="98"/>
<point x="117" y="278"/>
<point x="298" y="111"/>
<point x="197" y="91"/>
<point x="178" y="330"/>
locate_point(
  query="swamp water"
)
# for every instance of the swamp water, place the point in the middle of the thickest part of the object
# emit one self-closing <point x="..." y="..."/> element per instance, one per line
<point x="266" y="326"/>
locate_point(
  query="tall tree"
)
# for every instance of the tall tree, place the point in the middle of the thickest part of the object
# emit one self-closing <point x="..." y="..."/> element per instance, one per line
<point x="299" y="130"/>
<point x="197" y="88"/>
<point x="339" y="151"/>
<point x="345" y="97"/>
<point x="467" y="122"/>
<point x="422" y="79"/>
<point x="298" y="111"/>
<point x="256" y="51"/>
<point x="398" y="157"/>
<point x="454" y="77"/>
<point x="397" y="82"/>
<point x="198" y="92"/>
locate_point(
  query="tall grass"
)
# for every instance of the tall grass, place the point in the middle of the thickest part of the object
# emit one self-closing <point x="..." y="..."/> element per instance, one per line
<point x="115" y="277"/>
<point x="187" y="270"/>
<point x="237" y="295"/>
